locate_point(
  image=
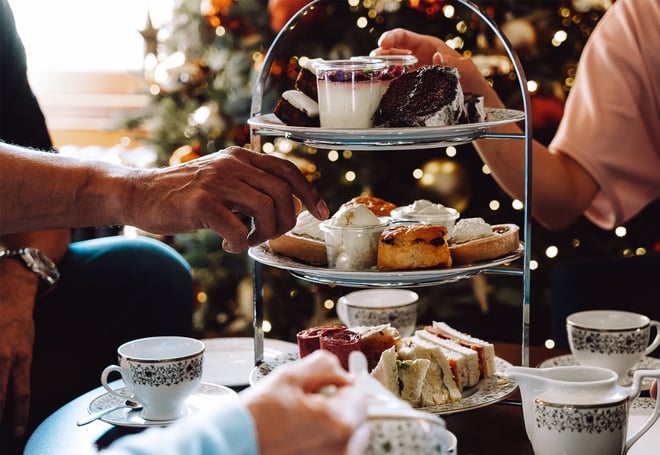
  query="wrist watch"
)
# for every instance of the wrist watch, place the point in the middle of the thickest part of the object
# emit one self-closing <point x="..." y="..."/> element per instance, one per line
<point x="37" y="262"/>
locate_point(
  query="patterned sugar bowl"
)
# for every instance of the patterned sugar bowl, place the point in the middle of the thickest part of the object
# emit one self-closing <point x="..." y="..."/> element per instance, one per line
<point x="395" y="428"/>
<point x="407" y="432"/>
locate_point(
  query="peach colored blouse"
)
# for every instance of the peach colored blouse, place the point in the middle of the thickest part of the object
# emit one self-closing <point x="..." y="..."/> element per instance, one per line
<point x="611" y="124"/>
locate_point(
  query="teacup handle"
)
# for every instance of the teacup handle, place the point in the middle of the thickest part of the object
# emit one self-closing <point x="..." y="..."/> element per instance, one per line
<point x="635" y="388"/>
<point x="123" y="394"/>
<point x="656" y="340"/>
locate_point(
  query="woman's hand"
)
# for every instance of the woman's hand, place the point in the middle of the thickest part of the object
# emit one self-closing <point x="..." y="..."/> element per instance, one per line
<point x="293" y="416"/>
<point x="432" y="50"/>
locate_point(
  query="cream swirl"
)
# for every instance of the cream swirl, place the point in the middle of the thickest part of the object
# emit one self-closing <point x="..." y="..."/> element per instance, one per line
<point x="424" y="207"/>
<point x="468" y="229"/>
<point x="308" y="226"/>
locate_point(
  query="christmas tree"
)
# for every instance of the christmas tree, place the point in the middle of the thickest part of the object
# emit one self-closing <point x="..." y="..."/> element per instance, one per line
<point x="207" y="63"/>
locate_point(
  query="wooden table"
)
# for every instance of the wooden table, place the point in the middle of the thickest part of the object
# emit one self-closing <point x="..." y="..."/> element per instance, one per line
<point x="494" y="429"/>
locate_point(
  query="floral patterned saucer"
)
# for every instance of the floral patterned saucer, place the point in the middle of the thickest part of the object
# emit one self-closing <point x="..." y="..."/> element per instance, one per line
<point x="647" y="363"/>
<point x="205" y="395"/>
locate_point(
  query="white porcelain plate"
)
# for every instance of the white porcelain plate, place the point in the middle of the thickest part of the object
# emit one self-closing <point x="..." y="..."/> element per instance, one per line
<point x="385" y="138"/>
<point x="399" y="278"/>
<point x="486" y="392"/>
<point x="206" y="395"/>
<point x="640" y="410"/>
<point x="229" y="361"/>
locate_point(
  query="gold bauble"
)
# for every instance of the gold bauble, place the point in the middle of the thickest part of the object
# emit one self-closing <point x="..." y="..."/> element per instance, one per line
<point x="448" y="180"/>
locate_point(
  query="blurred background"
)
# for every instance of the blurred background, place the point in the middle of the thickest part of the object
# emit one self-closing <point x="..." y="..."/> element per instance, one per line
<point x="162" y="82"/>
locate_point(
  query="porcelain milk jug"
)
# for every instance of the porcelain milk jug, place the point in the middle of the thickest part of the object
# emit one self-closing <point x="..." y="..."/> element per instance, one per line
<point x="579" y="409"/>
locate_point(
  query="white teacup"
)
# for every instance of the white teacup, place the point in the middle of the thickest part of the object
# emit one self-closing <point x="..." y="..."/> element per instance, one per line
<point x="617" y="340"/>
<point x="369" y="307"/>
<point x="159" y="373"/>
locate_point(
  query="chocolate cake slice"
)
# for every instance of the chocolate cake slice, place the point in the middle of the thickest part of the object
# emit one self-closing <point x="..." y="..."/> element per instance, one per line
<point x="306" y="83"/>
<point x="297" y="109"/>
<point x="474" y="108"/>
<point x="428" y="96"/>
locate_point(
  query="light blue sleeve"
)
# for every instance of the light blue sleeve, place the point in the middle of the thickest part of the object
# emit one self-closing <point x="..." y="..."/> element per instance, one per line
<point x="228" y="430"/>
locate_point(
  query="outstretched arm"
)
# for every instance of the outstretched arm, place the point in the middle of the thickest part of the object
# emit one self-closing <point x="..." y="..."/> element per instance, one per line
<point x="203" y="193"/>
<point x="562" y="188"/>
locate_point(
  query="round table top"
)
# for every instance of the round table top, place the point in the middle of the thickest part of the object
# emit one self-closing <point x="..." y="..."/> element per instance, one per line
<point x="59" y="433"/>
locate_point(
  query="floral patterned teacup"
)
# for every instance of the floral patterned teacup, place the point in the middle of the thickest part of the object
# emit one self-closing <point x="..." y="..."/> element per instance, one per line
<point x="370" y="307"/>
<point x="617" y="340"/>
<point x="159" y="373"/>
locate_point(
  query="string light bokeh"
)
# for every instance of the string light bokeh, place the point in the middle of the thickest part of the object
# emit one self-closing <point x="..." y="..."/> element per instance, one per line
<point x="202" y="86"/>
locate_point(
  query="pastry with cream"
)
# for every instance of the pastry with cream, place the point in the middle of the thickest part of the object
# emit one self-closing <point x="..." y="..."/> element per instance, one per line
<point x="304" y="242"/>
<point x="473" y="240"/>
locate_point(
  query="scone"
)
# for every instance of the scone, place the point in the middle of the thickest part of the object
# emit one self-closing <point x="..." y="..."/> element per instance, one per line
<point x="379" y="207"/>
<point x="415" y="246"/>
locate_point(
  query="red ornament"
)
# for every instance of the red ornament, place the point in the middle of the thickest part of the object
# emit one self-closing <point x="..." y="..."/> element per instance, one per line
<point x="283" y="10"/>
<point x="210" y="8"/>
<point x="547" y="111"/>
<point x="431" y="8"/>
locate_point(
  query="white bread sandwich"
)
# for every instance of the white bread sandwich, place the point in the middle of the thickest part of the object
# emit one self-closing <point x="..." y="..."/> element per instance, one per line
<point x="387" y="371"/>
<point x="464" y="362"/>
<point x="433" y="366"/>
<point x="412" y="374"/>
<point x="305" y="242"/>
<point x="439" y="386"/>
<point x="484" y="349"/>
<point x="473" y="240"/>
<point x="403" y="378"/>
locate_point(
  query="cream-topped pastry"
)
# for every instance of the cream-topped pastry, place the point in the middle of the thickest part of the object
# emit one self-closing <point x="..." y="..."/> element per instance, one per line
<point x="474" y="240"/>
<point x="308" y="225"/>
<point x="470" y="229"/>
<point x="305" y="242"/>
